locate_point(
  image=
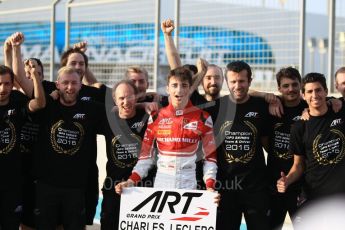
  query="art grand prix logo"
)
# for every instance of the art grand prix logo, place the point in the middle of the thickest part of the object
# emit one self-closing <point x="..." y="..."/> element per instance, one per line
<point x="252" y="114"/>
<point x="172" y="201"/>
<point x="198" y="215"/>
<point x="173" y="209"/>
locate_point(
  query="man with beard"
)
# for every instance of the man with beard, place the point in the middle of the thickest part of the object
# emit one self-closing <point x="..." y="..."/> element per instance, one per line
<point x="211" y="81"/>
<point x="62" y="160"/>
<point x="317" y="145"/>
<point x="76" y="58"/>
<point x="279" y="159"/>
<point x="13" y="112"/>
<point x="340" y="82"/>
<point x="241" y="135"/>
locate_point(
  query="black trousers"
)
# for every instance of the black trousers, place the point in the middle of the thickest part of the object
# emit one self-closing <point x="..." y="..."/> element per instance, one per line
<point x="29" y="201"/>
<point x="10" y="208"/>
<point x="254" y="206"/>
<point x="282" y="203"/>
<point x="91" y="195"/>
<point x="110" y="210"/>
<point x="56" y="204"/>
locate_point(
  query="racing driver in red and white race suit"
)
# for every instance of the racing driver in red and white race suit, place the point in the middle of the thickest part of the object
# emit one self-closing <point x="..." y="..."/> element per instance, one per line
<point x="177" y="130"/>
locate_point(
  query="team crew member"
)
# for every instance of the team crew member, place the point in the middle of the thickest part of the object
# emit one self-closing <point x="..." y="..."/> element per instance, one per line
<point x="317" y="145"/>
<point x="241" y="164"/>
<point x="140" y="78"/>
<point x="28" y="137"/>
<point x="340" y="82"/>
<point x="279" y="158"/>
<point x="123" y="140"/>
<point x="13" y="112"/>
<point x="177" y="130"/>
<point x="67" y="127"/>
<point x="211" y="80"/>
<point x="8" y="59"/>
<point x="73" y="57"/>
<point x="76" y="58"/>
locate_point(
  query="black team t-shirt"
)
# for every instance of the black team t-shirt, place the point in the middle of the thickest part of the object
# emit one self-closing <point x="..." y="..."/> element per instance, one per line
<point x="12" y="117"/>
<point x="66" y="139"/>
<point x="238" y="131"/>
<point x="88" y="93"/>
<point x="28" y="137"/>
<point x="162" y="100"/>
<point x="321" y="141"/>
<point x="197" y="99"/>
<point x="123" y="144"/>
<point x="279" y="158"/>
<point x="147" y="98"/>
<point x="18" y="96"/>
<point x="48" y="86"/>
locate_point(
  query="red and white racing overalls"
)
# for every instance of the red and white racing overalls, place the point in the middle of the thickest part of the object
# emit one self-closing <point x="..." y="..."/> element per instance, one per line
<point x="177" y="134"/>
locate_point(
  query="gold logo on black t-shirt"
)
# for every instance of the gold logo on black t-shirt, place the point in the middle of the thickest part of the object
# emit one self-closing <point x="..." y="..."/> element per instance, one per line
<point x="125" y="150"/>
<point x="66" y="138"/>
<point x="7" y="137"/>
<point x="281" y="143"/>
<point x="329" y="152"/>
<point x="235" y="141"/>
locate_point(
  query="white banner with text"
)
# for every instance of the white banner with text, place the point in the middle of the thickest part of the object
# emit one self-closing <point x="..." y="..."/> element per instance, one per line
<point x="167" y="209"/>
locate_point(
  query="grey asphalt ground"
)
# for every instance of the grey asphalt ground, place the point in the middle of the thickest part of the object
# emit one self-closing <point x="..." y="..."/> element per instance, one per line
<point x="94" y="227"/>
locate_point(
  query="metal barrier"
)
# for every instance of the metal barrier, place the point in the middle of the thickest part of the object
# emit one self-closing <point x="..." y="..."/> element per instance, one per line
<point x="267" y="34"/>
<point x="339" y="38"/>
<point x="37" y="21"/>
<point x="224" y="31"/>
<point x="118" y="35"/>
